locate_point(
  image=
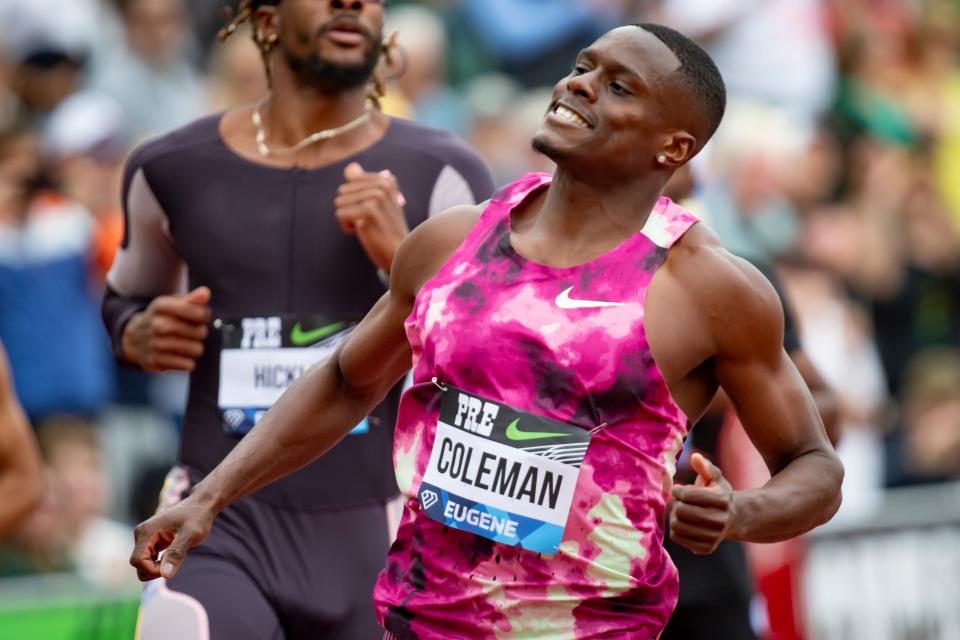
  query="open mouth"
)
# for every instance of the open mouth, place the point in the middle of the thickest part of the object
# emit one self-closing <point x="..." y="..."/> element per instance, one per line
<point x="346" y="33"/>
<point x="564" y="112"/>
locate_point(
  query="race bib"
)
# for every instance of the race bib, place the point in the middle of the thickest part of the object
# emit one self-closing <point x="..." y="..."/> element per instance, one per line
<point x="262" y="357"/>
<point x="502" y="473"/>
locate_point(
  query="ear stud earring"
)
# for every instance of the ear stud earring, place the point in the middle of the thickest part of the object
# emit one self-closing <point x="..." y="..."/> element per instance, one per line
<point x="662" y="159"/>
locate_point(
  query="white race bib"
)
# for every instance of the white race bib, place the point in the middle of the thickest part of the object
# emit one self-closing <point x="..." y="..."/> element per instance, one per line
<point x="261" y="357"/>
<point x="502" y="473"/>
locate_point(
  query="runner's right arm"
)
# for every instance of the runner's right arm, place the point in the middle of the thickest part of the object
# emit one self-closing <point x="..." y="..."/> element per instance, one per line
<point x="150" y="326"/>
<point x="318" y="410"/>
<point x="21" y="483"/>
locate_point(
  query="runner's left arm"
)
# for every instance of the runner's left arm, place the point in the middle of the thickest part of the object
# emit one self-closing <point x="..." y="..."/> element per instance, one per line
<point x="316" y="412"/>
<point x="150" y="323"/>
<point x="777" y="412"/>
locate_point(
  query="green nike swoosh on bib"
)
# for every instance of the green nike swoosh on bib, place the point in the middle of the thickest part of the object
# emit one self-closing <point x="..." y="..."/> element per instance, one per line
<point x="514" y="433"/>
<point x="301" y="338"/>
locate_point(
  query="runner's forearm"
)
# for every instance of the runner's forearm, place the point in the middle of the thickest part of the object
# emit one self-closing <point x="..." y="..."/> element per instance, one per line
<point x="313" y="415"/>
<point x="801" y="496"/>
<point x="116" y="311"/>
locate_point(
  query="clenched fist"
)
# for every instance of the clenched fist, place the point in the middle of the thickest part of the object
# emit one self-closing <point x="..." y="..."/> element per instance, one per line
<point x="168" y="335"/>
<point x="702" y="515"/>
<point x="370" y="206"/>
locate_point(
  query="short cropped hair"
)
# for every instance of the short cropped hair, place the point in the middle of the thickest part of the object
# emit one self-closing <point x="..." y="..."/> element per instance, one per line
<point x="697" y="72"/>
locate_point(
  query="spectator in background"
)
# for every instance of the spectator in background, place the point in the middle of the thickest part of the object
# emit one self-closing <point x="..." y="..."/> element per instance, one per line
<point x="421" y="69"/>
<point x="38" y="544"/>
<point x="150" y="74"/>
<point x="48" y="314"/>
<point x="421" y="73"/>
<point x="533" y="39"/>
<point x="892" y="242"/>
<point x="492" y="98"/>
<point x="44" y="70"/>
<point x="838" y="338"/>
<point x="84" y="147"/>
<point x="21" y="484"/>
<point x="776" y="52"/>
<point x="69" y="532"/>
<point x="932" y="416"/>
<point x="743" y="198"/>
<point x="505" y="119"/>
<point x="95" y="546"/>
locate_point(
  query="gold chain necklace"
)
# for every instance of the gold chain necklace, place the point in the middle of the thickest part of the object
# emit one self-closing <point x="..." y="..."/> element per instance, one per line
<point x="325" y="134"/>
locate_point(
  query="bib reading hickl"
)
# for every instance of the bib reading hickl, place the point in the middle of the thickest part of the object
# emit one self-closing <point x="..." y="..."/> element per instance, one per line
<point x="502" y="473"/>
<point x="261" y="357"/>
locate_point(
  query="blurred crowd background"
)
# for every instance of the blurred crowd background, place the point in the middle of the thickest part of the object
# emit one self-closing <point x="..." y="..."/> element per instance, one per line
<point x="838" y="161"/>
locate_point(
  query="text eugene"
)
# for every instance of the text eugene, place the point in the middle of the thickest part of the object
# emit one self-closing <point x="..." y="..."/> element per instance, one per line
<point x="490" y="472"/>
<point x="480" y="519"/>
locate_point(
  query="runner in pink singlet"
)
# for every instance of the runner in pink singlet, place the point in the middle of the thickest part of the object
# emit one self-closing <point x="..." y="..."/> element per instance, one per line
<point x="563" y="336"/>
<point x="569" y="344"/>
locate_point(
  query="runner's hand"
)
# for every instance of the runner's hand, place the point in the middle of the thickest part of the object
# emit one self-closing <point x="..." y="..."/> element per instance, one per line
<point x="174" y="531"/>
<point x="702" y="515"/>
<point x="168" y="335"/>
<point x="370" y="205"/>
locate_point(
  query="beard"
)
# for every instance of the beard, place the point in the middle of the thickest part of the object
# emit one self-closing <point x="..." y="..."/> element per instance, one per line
<point x="543" y="147"/>
<point x="329" y="77"/>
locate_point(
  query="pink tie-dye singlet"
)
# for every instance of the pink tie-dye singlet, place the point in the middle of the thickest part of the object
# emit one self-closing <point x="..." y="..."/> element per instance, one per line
<point x="567" y="344"/>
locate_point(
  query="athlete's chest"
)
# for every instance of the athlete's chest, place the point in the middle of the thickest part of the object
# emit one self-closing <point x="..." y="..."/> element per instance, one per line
<point x="564" y="343"/>
<point x="272" y="237"/>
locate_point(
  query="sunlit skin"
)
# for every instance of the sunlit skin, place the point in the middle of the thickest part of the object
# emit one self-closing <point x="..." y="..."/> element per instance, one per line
<point x="711" y="320"/>
<point x="623" y="88"/>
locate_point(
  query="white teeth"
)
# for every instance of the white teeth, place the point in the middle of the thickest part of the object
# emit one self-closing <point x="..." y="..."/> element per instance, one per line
<point x="571" y="116"/>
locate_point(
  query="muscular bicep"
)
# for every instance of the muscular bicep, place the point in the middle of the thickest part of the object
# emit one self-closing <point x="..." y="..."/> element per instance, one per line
<point x="766" y="390"/>
<point x="775" y="408"/>
<point x="377" y="354"/>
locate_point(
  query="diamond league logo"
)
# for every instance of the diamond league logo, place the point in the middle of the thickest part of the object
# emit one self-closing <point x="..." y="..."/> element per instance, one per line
<point x="428" y="498"/>
<point x="233" y="418"/>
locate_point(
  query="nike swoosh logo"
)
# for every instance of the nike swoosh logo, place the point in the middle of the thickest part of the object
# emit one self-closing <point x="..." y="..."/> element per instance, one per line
<point x="514" y="433"/>
<point x="301" y="338"/>
<point x="564" y="301"/>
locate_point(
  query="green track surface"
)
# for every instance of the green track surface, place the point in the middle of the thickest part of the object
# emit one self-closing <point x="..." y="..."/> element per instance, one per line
<point x="63" y="607"/>
<point x="104" y="620"/>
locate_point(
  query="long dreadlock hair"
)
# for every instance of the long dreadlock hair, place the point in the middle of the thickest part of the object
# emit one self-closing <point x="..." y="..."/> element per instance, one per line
<point x="245" y="12"/>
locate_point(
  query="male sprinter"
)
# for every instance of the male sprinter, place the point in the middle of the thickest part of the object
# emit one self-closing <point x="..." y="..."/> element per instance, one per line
<point x="563" y="337"/>
<point x="257" y="208"/>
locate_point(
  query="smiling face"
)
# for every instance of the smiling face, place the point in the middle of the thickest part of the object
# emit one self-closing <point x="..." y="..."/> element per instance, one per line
<point x="619" y="108"/>
<point x="332" y="45"/>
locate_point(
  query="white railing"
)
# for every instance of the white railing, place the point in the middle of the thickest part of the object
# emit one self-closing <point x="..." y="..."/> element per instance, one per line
<point x="892" y="576"/>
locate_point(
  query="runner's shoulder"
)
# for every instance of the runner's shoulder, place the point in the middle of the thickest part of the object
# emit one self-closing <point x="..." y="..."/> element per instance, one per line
<point x="430" y="244"/>
<point x="442" y="145"/>
<point x="722" y="286"/>
<point x="200" y="132"/>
